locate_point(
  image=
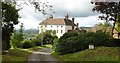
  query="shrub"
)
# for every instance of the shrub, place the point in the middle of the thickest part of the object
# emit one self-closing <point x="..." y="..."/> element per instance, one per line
<point x="71" y="45"/>
<point x="83" y="40"/>
<point x="114" y="43"/>
<point x="27" y="44"/>
<point x="36" y="42"/>
<point x="67" y="35"/>
<point x="48" y="39"/>
<point x="16" y="40"/>
<point x="55" y="43"/>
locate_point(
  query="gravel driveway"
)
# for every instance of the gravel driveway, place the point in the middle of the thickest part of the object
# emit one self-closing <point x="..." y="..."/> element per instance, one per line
<point x="42" y="56"/>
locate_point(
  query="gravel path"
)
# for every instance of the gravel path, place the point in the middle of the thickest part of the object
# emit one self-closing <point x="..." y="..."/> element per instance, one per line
<point x="42" y="56"/>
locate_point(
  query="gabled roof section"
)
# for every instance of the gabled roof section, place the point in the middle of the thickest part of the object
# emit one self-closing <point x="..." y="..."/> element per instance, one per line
<point x="56" y="21"/>
<point x="53" y="21"/>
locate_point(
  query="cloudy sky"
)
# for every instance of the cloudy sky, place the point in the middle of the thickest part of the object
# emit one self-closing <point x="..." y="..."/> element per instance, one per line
<point x="81" y="10"/>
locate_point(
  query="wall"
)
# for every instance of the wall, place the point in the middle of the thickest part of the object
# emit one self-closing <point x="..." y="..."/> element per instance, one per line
<point x="54" y="27"/>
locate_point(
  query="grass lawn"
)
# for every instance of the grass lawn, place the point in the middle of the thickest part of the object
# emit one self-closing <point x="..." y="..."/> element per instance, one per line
<point x="98" y="54"/>
<point x="15" y="56"/>
<point x="20" y="55"/>
<point x="47" y="46"/>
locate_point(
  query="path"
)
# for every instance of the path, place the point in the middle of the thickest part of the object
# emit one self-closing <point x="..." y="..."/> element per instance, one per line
<point x="42" y="56"/>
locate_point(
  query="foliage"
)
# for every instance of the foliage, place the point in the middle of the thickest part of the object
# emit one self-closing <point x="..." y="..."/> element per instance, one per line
<point x="110" y="11"/>
<point x="36" y="48"/>
<point x="27" y="44"/>
<point x="36" y="41"/>
<point x="105" y="27"/>
<point x="47" y="37"/>
<point x="47" y="46"/>
<point x="15" y="55"/>
<point x="14" y="42"/>
<point x="81" y="42"/>
<point x="17" y="38"/>
<point x="21" y="31"/>
<point x="55" y="43"/>
<point x="67" y="35"/>
<point x="8" y="22"/>
<point x="97" y="55"/>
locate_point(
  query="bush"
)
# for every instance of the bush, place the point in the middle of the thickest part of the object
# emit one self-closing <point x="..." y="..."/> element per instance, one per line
<point x="27" y="44"/>
<point x="68" y="34"/>
<point x="114" y="43"/>
<point x="83" y="40"/>
<point x="55" y="43"/>
<point x="36" y="41"/>
<point x="48" y="39"/>
<point x="71" y="45"/>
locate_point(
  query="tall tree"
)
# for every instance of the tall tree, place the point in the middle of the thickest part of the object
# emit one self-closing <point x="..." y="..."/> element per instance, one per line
<point x="17" y="38"/>
<point x="105" y="27"/>
<point x="42" y="7"/>
<point x="9" y="19"/>
<point x="110" y="11"/>
<point x="21" y="35"/>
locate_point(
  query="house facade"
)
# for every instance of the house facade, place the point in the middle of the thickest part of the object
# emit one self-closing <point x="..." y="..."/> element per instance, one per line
<point x="60" y="25"/>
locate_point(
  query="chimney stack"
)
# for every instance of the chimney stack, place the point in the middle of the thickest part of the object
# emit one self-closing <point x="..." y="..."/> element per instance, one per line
<point x="73" y="23"/>
<point x="66" y="17"/>
<point x="77" y="27"/>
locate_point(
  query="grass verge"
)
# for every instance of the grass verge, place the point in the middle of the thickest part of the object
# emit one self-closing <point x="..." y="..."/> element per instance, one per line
<point x="47" y="46"/>
<point x="98" y="54"/>
<point x="20" y="55"/>
<point x="15" y="56"/>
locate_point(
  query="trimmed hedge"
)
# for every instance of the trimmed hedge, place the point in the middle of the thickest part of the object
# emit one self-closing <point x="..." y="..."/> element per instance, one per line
<point x="36" y="42"/>
<point x="67" y="35"/>
<point x="81" y="42"/>
<point x="27" y="44"/>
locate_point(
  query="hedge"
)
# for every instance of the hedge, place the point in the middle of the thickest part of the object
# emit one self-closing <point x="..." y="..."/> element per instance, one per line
<point x="83" y="40"/>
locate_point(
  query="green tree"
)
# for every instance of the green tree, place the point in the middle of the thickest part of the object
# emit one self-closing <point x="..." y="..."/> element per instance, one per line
<point x="14" y="40"/>
<point x="21" y="37"/>
<point x="110" y="11"/>
<point x="9" y="19"/>
<point x="47" y="37"/>
<point x="105" y="27"/>
<point x="17" y="38"/>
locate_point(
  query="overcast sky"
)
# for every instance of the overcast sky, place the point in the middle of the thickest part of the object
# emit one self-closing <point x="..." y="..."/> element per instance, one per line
<point x="80" y="9"/>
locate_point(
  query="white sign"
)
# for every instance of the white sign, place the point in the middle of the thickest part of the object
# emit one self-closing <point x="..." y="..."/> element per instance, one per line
<point x="91" y="46"/>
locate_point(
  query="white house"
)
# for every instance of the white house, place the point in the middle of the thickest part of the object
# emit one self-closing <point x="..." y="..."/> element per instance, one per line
<point x="60" y="25"/>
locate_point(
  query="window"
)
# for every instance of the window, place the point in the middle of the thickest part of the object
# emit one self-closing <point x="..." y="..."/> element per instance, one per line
<point x="57" y="31"/>
<point x="57" y="26"/>
<point x="61" y="26"/>
<point x="61" y="31"/>
<point x="51" y="25"/>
